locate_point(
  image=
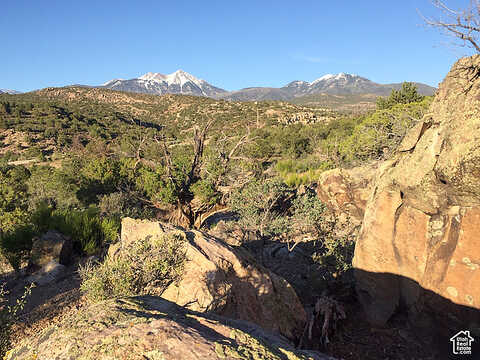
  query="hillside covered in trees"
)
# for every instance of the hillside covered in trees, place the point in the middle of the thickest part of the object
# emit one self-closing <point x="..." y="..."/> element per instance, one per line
<point x="137" y="154"/>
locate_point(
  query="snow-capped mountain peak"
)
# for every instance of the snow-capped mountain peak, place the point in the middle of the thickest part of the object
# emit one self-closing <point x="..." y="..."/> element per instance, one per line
<point x="178" y="77"/>
<point x="299" y="83"/>
<point x="181" y="77"/>
<point x="111" y="82"/>
<point x="152" y="76"/>
<point x="178" y="82"/>
<point x="324" y="77"/>
<point x="8" y="91"/>
<point x="181" y="82"/>
<point x="333" y="77"/>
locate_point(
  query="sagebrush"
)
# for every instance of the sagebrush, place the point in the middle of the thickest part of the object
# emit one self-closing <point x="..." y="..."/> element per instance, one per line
<point x="147" y="266"/>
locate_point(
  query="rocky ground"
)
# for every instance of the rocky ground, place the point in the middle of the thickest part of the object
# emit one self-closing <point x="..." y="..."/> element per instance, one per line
<point x="56" y="302"/>
<point x="47" y="304"/>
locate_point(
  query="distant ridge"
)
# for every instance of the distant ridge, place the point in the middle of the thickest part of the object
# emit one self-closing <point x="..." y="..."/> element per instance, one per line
<point x="181" y="82"/>
<point x="339" y="84"/>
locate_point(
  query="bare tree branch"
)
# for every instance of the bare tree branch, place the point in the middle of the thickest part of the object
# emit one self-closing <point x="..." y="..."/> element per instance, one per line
<point x="166" y="154"/>
<point x="199" y="137"/>
<point x="461" y="24"/>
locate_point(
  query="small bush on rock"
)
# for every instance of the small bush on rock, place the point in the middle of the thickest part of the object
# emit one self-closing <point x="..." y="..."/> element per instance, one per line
<point x="144" y="267"/>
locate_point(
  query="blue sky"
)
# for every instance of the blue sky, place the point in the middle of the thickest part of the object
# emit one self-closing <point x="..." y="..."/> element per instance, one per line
<point x="231" y="44"/>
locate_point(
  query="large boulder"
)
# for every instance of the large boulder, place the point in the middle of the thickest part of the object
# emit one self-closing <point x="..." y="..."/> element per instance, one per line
<point x="155" y="329"/>
<point x="51" y="246"/>
<point x="419" y="245"/>
<point x="346" y="191"/>
<point x="217" y="277"/>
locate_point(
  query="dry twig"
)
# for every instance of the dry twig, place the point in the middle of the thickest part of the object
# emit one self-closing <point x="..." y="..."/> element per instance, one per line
<point x="326" y="314"/>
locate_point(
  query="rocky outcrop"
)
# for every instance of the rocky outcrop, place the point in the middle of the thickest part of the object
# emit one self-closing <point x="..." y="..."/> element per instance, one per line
<point x="51" y="246"/>
<point x="419" y="243"/>
<point x="346" y="191"/>
<point x="303" y="117"/>
<point x="226" y="280"/>
<point x="155" y="329"/>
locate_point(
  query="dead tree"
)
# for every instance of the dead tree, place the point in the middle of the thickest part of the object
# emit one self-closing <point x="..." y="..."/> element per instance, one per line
<point x="185" y="216"/>
<point x="461" y="24"/>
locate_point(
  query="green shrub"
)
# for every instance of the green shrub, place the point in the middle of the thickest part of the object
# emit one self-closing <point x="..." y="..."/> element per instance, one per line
<point x="407" y="94"/>
<point x="86" y="228"/>
<point x="105" y="171"/>
<point x="147" y="266"/>
<point x="336" y="253"/>
<point x="309" y="214"/>
<point x="270" y="208"/>
<point x="206" y="192"/>
<point x="33" y="153"/>
<point x="259" y="206"/>
<point x="15" y="244"/>
<point x="155" y="186"/>
<point x="122" y="204"/>
<point x="303" y="171"/>
<point x="13" y="189"/>
<point x="89" y="231"/>
<point x="10" y="220"/>
<point x="379" y="134"/>
<point x="298" y="166"/>
<point x="52" y="186"/>
<point x="16" y="235"/>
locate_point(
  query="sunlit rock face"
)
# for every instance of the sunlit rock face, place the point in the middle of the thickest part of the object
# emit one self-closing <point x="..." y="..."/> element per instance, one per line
<point x="419" y="245"/>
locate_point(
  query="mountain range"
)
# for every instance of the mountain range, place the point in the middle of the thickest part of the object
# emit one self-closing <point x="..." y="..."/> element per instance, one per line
<point x="181" y="82"/>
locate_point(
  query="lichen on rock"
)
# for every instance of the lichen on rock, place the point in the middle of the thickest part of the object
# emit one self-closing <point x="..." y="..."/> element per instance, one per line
<point x="153" y="328"/>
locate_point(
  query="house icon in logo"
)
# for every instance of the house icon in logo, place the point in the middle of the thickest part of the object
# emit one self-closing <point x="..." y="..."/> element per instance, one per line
<point x="462" y="343"/>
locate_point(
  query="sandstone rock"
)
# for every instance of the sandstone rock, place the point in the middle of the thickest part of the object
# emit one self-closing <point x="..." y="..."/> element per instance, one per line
<point x="156" y="329"/>
<point x="220" y="278"/>
<point x="51" y="246"/>
<point x="346" y="191"/>
<point x="418" y="247"/>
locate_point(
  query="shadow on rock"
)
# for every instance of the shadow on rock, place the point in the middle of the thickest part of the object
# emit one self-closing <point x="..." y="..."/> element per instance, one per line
<point x="432" y="319"/>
